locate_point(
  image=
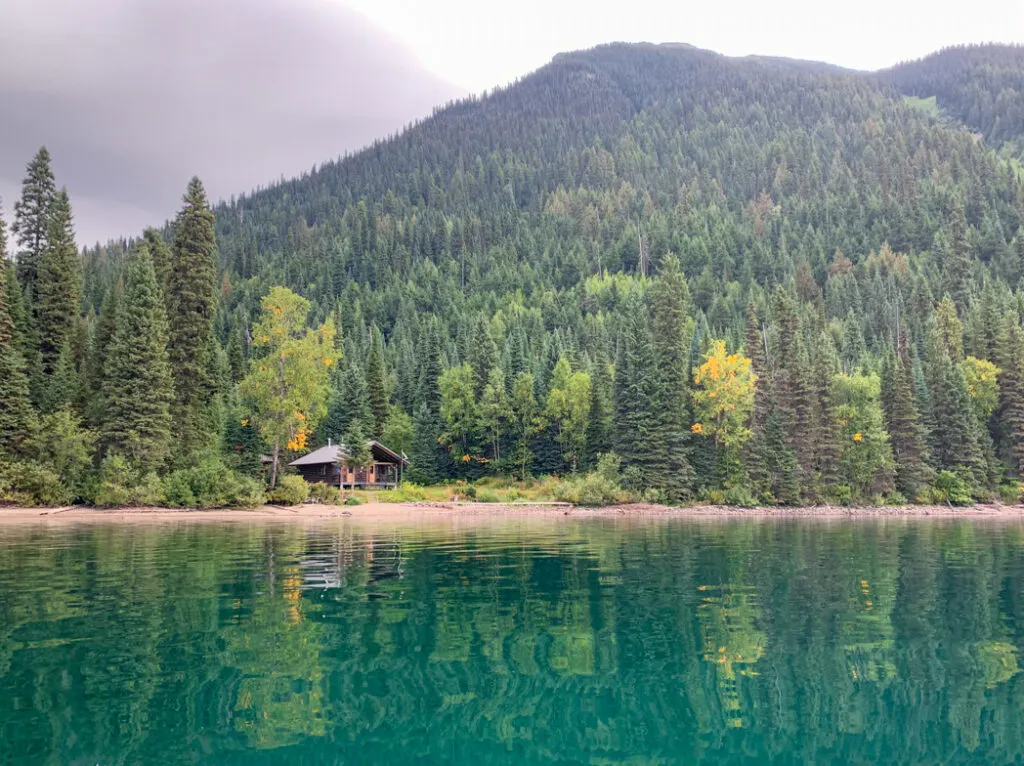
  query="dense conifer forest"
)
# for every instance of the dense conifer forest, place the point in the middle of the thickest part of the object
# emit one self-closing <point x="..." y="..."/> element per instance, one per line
<point x="653" y="271"/>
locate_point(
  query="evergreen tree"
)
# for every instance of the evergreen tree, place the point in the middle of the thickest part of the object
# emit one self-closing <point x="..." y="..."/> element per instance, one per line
<point x="958" y="258"/>
<point x="423" y="452"/>
<point x="601" y="425"/>
<point x="17" y="420"/>
<point x="59" y="285"/>
<point x="137" y="384"/>
<point x="637" y="399"/>
<point x="755" y="453"/>
<point x="428" y="460"/>
<point x="64" y="385"/>
<point x="163" y="259"/>
<point x="903" y="422"/>
<point x="32" y="220"/>
<point x="791" y="396"/>
<point x="376" y="387"/>
<point x="671" y="327"/>
<point x="957" y="446"/>
<point x="483" y="354"/>
<point x="99" y="346"/>
<point x="191" y="300"/>
<point x="355" y="400"/>
<point x="1010" y="414"/>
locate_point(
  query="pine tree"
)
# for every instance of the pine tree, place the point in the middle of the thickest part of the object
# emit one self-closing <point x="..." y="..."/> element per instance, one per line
<point x="636" y="399"/>
<point x="601" y="425"/>
<point x="191" y="300"/>
<point x="99" y="345"/>
<point x="903" y="422"/>
<point x="376" y="387"/>
<point x="755" y="453"/>
<point x="137" y="383"/>
<point x="958" y="258"/>
<point x="791" y="401"/>
<point x="956" y="439"/>
<point x="59" y="285"/>
<point x="163" y="259"/>
<point x="64" y="385"/>
<point x="1010" y="415"/>
<point x="428" y="460"/>
<point x="32" y="220"/>
<point x="423" y="453"/>
<point x="355" y="401"/>
<point x="483" y="354"/>
<point x="670" y="324"/>
<point x="824" y="433"/>
<point x="17" y="419"/>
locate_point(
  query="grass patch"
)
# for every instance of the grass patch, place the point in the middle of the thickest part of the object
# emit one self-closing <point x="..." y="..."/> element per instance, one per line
<point x="926" y="105"/>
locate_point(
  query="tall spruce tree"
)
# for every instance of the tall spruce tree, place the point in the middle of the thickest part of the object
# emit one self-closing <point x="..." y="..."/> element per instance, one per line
<point x="376" y="387"/>
<point x="671" y="326"/>
<point x="17" y="419"/>
<point x="59" y="285"/>
<point x="137" y="382"/>
<point x="903" y="421"/>
<point x="99" y="345"/>
<point x="163" y="258"/>
<point x="483" y="354"/>
<point x="958" y="257"/>
<point x="957" y="446"/>
<point x="191" y="300"/>
<point x="755" y="454"/>
<point x="32" y="220"/>
<point x="790" y="394"/>
<point x="601" y="425"/>
<point x="1010" y="414"/>
<point x="637" y="398"/>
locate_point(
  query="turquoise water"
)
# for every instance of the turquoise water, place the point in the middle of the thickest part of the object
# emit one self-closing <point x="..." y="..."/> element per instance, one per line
<point x="524" y="642"/>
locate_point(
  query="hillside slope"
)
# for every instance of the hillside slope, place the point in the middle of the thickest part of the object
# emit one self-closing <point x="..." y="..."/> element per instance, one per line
<point x="809" y="208"/>
<point x="981" y="86"/>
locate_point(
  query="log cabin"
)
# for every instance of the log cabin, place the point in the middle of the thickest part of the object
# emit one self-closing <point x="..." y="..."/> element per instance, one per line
<point x="328" y="465"/>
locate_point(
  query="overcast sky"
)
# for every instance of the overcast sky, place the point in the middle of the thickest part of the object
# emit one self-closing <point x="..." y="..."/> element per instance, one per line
<point x="133" y="97"/>
<point x="478" y="45"/>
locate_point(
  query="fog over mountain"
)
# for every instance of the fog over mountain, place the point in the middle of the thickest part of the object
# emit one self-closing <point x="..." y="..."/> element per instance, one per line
<point x="132" y="99"/>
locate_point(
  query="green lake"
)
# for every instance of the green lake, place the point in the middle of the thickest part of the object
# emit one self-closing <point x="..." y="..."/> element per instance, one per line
<point x="519" y="642"/>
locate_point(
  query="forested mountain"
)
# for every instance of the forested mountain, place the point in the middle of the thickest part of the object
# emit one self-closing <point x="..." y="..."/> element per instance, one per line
<point x="981" y="86"/>
<point x="748" y="279"/>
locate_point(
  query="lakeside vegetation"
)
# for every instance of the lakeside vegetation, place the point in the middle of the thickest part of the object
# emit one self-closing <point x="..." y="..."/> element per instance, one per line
<point x="651" y="272"/>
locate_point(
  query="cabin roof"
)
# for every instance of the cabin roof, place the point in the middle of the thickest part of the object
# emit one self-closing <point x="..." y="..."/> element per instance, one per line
<point x="330" y="453"/>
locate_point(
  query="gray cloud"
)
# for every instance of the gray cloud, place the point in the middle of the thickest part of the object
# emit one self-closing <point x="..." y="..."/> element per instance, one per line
<point x="134" y="97"/>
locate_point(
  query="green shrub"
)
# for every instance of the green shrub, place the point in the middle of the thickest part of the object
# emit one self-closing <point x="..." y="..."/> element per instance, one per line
<point x="66" y="449"/>
<point x="1010" y="493"/>
<point x="714" y="496"/>
<point x="597" y="488"/>
<point x="488" y="496"/>
<point x="120" y="486"/>
<point x="951" y="488"/>
<point x="249" y="492"/>
<point x="741" y="497"/>
<point x="354" y="500"/>
<point x="841" y="494"/>
<point x="325" y="494"/>
<point x="470" y="492"/>
<point x="209" y="483"/>
<point x="28" y="483"/>
<point x="290" y="490"/>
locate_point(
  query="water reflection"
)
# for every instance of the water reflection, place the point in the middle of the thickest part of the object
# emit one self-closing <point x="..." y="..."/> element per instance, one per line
<point x="525" y="642"/>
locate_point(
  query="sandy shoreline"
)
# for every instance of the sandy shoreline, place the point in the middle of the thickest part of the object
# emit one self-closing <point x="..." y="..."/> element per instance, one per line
<point x="424" y="512"/>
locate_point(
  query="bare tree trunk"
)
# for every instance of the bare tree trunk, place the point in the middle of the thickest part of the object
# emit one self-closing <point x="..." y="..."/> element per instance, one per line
<point x="273" y="468"/>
